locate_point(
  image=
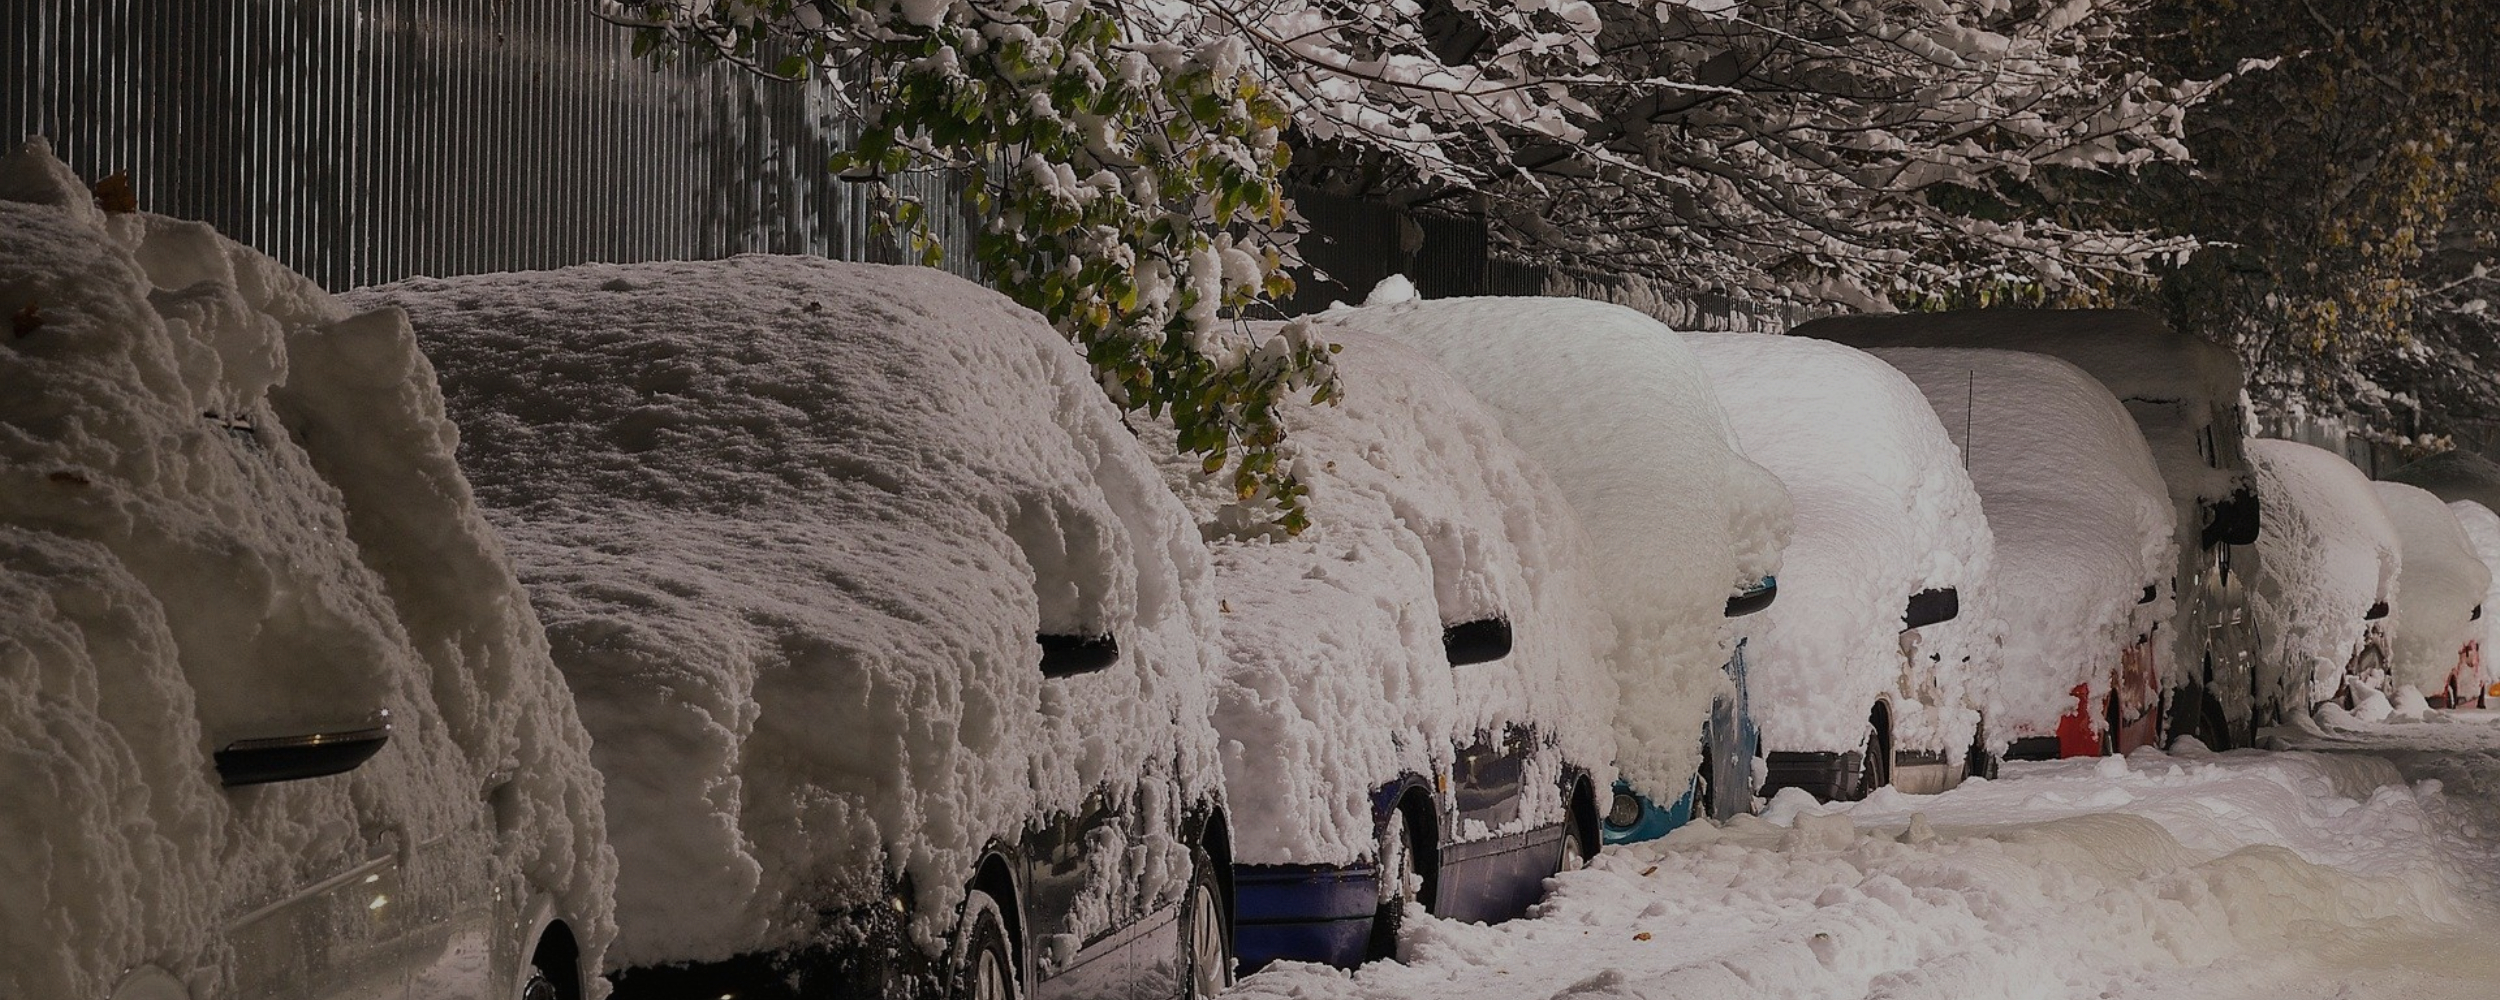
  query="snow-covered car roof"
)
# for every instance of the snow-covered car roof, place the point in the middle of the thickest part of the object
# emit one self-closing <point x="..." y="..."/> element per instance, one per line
<point x="1335" y="678"/>
<point x="2169" y="380"/>
<point x="1619" y="412"/>
<point x="1883" y="511"/>
<point x="793" y="526"/>
<point x="2326" y="554"/>
<point x="2454" y="475"/>
<point x="2438" y="585"/>
<point x="2081" y="520"/>
<point x="229" y="510"/>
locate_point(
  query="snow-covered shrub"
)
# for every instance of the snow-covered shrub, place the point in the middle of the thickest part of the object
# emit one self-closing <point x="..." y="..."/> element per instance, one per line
<point x="1335" y="678"/>
<point x="1883" y="511"/>
<point x="2438" y="584"/>
<point x="793" y="526"/>
<point x="1619" y="412"/>
<point x="2328" y="553"/>
<point x="2081" y="522"/>
<point x="229" y="510"/>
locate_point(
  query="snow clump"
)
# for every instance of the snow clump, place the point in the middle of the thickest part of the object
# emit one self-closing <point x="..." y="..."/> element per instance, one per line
<point x="1618" y="410"/>
<point x="229" y="510"/>
<point x="794" y="525"/>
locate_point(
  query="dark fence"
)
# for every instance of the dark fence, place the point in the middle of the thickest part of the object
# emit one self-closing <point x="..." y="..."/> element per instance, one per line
<point x="360" y="141"/>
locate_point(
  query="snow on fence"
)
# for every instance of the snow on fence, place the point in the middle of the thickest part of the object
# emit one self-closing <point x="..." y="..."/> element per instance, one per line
<point x="362" y="141"/>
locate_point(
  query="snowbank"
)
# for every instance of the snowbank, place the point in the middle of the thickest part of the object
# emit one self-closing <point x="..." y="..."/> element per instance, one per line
<point x="2081" y="521"/>
<point x="1883" y="511"/>
<point x="2327" y="552"/>
<point x="2482" y="531"/>
<point x="793" y="525"/>
<point x="1335" y="680"/>
<point x="2438" y="584"/>
<point x="2454" y="476"/>
<point x="1619" y="412"/>
<point x="229" y="510"/>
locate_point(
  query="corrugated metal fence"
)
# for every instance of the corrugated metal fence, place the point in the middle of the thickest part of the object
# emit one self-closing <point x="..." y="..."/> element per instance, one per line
<point x="361" y="141"/>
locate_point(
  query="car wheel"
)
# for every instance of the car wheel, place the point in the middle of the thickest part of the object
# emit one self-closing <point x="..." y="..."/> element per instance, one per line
<point x="1980" y="763"/>
<point x="1704" y="789"/>
<point x="1206" y="934"/>
<point x="1874" y="764"/>
<point x="1399" y="876"/>
<point x="984" y="969"/>
<point x="541" y="986"/>
<point x="1575" y="854"/>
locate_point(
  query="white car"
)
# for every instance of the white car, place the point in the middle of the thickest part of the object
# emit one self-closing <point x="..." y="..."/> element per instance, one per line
<point x="2436" y="628"/>
<point x="1415" y="702"/>
<point x="1854" y="685"/>
<point x="1684" y="530"/>
<point x="893" y="643"/>
<point x="275" y="719"/>
<point x="2083" y="540"/>
<point x="2330" y="557"/>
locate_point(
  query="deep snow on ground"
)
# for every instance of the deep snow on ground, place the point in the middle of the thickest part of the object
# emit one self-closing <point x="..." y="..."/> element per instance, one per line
<point x="2364" y="863"/>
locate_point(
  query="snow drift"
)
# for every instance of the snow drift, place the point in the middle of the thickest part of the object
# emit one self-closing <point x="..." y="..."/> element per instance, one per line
<point x="793" y="526"/>
<point x="2328" y="554"/>
<point x="1883" y="511"/>
<point x="2438" y="585"/>
<point x="229" y="509"/>
<point x="2081" y="521"/>
<point x="1335" y="680"/>
<point x="1618" y="410"/>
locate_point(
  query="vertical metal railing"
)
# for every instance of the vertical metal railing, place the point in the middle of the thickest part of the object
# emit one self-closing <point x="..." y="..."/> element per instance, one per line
<point x="361" y="141"/>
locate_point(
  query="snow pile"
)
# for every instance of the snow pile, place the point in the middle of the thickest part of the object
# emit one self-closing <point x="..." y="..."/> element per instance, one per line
<point x="2081" y="522"/>
<point x="793" y="526"/>
<point x="1619" y="412"/>
<point x="1883" y="511"/>
<point x="2454" y="476"/>
<point x="2482" y="531"/>
<point x="2152" y="875"/>
<point x="2327" y="552"/>
<point x="1335" y="680"/>
<point x="229" y="510"/>
<point x="2440" y="582"/>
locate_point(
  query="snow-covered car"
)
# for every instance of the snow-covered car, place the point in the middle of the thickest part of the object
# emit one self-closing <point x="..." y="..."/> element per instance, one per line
<point x="2329" y="556"/>
<point x="2453" y="475"/>
<point x="2184" y="393"/>
<point x="1685" y="533"/>
<point x="891" y="639"/>
<point x="275" y="719"/>
<point x="2082" y="530"/>
<point x="2440" y="583"/>
<point x="1415" y="704"/>
<point x="2474" y="680"/>
<point x="1852" y="686"/>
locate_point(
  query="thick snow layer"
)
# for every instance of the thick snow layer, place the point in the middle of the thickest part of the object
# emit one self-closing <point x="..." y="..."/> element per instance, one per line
<point x="1620" y="413"/>
<point x="2482" y="531"/>
<point x="2454" y="476"/>
<point x="2327" y="552"/>
<point x="1883" y="511"/>
<point x="229" y="510"/>
<point x="793" y="525"/>
<point x="1335" y="679"/>
<point x="2439" y="584"/>
<point x="2081" y="521"/>
<point x="2148" y="877"/>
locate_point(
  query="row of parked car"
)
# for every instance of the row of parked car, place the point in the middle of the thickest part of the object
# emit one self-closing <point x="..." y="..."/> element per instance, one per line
<point x="901" y="664"/>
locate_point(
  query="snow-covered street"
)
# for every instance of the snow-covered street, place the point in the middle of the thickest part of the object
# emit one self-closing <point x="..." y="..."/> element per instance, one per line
<point x="2364" y="862"/>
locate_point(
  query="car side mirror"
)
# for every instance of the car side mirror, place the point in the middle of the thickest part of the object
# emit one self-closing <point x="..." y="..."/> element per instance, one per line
<point x="1928" y="607"/>
<point x="2477" y="615"/>
<point x="1072" y="655"/>
<point x="293" y="758"/>
<point x="1754" y="598"/>
<point x="2376" y="612"/>
<point x="1481" y="641"/>
<point x="2235" y="520"/>
<point x="2152" y="591"/>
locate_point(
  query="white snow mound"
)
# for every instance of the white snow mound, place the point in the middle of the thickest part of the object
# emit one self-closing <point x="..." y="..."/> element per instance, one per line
<point x="2438" y="586"/>
<point x="229" y="510"/>
<point x="1618" y="410"/>
<point x="793" y="526"/>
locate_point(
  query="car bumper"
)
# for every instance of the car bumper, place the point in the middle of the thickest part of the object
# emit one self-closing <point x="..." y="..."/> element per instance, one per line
<point x="1303" y="913"/>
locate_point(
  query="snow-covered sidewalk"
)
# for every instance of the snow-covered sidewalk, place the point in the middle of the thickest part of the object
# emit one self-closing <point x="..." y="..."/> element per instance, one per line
<point x="2365" y="863"/>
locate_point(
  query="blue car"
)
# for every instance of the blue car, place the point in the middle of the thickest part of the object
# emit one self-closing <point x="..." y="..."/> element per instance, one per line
<point x="1723" y="786"/>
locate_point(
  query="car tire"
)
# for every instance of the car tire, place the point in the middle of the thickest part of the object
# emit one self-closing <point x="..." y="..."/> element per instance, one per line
<point x="1206" y="936"/>
<point x="1575" y="854"/>
<point x="984" y="967"/>
<point x="1399" y="874"/>
<point x="1980" y="763"/>
<point x="541" y="986"/>
<point x="1874" y="764"/>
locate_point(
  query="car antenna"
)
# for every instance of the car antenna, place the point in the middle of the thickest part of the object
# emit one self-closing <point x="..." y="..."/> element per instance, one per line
<point x="1970" y="401"/>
